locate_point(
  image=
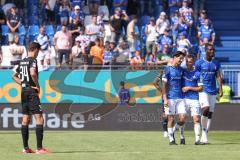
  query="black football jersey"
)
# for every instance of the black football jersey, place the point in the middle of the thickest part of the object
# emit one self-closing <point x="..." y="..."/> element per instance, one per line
<point x="23" y="69"/>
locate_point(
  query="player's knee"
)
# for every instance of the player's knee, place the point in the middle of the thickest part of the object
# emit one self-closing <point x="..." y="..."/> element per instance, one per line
<point x="181" y="122"/>
<point x="196" y="119"/>
<point x="210" y="115"/>
<point x="205" y="112"/>
<point x="39" y="120"/>
<point x="26" y="121"/>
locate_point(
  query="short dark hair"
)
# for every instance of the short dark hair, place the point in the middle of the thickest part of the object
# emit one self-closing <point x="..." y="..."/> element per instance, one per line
<point x="178" y="53"/>
<point x="122" y="83"/>
<point x="208" y="45"/>
<point x="33" y="46"/>
<point x="190" y="56"/>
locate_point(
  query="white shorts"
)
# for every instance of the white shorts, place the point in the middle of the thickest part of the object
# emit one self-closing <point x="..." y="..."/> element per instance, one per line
<point x="43" y="54"/>
<point x="175" y="106"/>
<point x="207" y="100"/>
<point x="193" y="106"/>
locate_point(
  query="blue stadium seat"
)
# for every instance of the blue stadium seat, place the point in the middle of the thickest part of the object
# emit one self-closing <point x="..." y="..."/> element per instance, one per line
<point x="33" y="31"/>
<point x="5" y="30"/>
<point x="49" y="30"/>
<point x="22" y="31"/>
<point x="145" y="20"/>
<point x="59" y="28"/>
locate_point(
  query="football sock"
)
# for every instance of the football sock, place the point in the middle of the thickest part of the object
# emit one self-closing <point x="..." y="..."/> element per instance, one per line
<point x="39" y="135"/>
<point x="164" y="123"/>
<point x="25" y="136"/>
<point x="181" y="130"/>
<point x="204" y="121"/>
<point x="170" y="134"/>
<point x="204" y="128"/>
<point x="176" y="126"/>
<point x="208" y="124"/>
<point x="197" y="130"/>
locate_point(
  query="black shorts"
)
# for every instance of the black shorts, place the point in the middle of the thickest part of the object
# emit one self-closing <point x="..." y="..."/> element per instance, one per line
<point x="30" y="102"/>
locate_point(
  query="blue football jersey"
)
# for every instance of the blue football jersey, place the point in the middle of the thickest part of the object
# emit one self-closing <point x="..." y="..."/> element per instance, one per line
<point x="173" y="77"/>
<point x="208" y="72"/>
<point x="123" y="95"/>
<point x="206" y="32"/>
<point x="191" y="79"/>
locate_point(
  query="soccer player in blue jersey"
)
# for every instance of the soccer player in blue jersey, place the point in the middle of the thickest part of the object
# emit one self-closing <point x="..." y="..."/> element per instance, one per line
<point x="210" y="72"/>
<point x="173" y="97"/>
<point x="190" y="92"/>
<point x="123" y="94"/>
<point x="206" y="31"/>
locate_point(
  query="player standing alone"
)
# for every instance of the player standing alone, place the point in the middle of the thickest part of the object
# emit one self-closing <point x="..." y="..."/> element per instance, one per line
<point x="210" y="71"/>
<point x="26" y="75"/>
<point x="173" y="97"/>
<point x="190" y="91"/>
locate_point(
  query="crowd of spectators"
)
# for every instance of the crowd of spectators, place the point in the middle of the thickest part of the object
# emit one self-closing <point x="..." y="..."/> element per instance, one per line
<point x="104" y="33"/>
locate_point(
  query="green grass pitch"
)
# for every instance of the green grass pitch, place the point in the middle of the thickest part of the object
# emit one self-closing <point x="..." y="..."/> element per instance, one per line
<point x="125" y="145"/>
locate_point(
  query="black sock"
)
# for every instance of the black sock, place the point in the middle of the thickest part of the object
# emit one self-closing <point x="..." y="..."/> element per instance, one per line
<point x="164" y="123"/>
<point x="39" y="135"/>
<point x="25" y="136"/>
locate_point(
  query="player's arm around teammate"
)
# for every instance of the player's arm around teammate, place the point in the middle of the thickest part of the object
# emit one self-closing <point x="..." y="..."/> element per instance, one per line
<point x="190" y="91"/>
<point x="172" y="95"/>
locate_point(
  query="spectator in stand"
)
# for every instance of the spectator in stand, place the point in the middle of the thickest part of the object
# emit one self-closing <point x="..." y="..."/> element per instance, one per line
<point x="93" y="6"/>
<point x="117" y="23"/>
<point x="202" y="18"/>
<point x="94" y="30"/>
<point x="165" y="39"/>
<point x="107" y="54"/>
<point x="63" y="44"/>
<point x="113" y="48"/>
<point x="2" y="21"/>
<point x="202" y="49"/>
<point x="187" y="13"/>
<point x="152" y="34"/>
<point x="150" y="60"/>
<point x="174" y="6"/>
<point x="79" y="55"/>
<point x="164" y="56"/>
<point x="13" y="22"/>
<point x="123" y="54"/>
<point x="162" y="23"/>
<point x="77" y="12"/>
<point x="44" y="53"/>
<point x="174" y="22"/>
<point x="64" y="12"/>
<point x="16" y="50"/>
<point x="49" y="9"/>
<point x="206" y="31"/>
<point x="74" y="28"/>
<point x="76" y="55"/>
<point x="183" y="43"/>
<point x="120" y="4"/>
<point x="106" y="31"/>
<point x="132" y="36"/>
<point x="133" y="7"/>
<point x="136" y="61"/>
<point x="181" y="27"/>
<point x="96" y="52"/>
<point x="100" y="18"/>
<point x="84" y="42"/>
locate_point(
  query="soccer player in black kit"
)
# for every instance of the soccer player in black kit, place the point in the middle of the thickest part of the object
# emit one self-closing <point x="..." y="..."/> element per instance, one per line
<point x="26" y="75"/>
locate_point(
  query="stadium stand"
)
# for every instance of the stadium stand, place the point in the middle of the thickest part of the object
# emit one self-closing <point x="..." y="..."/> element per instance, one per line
<point x="223" y="14"/>
<point x="226" y="21"/>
